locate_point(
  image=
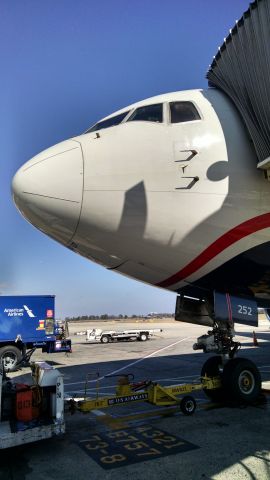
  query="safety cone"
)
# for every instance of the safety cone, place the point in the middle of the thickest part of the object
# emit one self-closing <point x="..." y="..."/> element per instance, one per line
<point x="255" y="341"/>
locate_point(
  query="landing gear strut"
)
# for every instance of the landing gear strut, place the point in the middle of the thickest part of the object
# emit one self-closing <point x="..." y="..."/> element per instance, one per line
<point x="219" y="340"/>
<point x="240" y="378"/>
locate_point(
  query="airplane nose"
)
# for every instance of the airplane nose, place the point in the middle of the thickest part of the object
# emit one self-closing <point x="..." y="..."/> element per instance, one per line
<point x="48" y="189"/>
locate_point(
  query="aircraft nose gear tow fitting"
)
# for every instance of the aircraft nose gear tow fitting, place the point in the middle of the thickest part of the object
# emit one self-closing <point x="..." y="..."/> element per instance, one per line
<point x="218" y="340"/>
<point x="240" y="378"/>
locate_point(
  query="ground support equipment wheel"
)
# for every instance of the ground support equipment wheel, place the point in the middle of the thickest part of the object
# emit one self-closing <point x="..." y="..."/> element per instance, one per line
<point x="143" y="337"/>
<point x="211" y="368"/>
<point x="10" y="356"/>
<point x="188" y="405"/>
<point x="241" y="380"/>
<point x="105" y="339"/>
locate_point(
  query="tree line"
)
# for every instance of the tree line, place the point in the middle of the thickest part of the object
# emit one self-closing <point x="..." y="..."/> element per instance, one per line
<point x="107" y="316"/>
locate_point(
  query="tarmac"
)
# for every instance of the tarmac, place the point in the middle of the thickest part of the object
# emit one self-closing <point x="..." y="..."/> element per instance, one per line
<point x="139" y="440"/>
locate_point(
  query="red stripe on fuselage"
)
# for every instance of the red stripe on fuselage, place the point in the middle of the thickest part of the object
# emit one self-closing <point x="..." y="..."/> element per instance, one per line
<point x="223" y="242"/>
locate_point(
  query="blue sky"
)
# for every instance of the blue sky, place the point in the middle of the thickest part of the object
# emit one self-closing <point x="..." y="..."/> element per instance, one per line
<point x="64" y="65"/>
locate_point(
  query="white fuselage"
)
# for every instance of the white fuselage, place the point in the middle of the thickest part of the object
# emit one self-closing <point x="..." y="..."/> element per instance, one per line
<point x="150" y="199"/>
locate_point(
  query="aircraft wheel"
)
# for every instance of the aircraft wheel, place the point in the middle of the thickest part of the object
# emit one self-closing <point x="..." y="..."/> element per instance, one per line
<point x="211" y="369"/>
<point x="105" y="339"/>
<point x="10" y="356"/>
<point x="241" y="380"/>
<point x="188" y="405"/>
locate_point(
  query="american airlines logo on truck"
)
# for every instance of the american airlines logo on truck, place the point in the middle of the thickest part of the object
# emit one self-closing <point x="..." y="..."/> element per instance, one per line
<point x="18" y="312"/>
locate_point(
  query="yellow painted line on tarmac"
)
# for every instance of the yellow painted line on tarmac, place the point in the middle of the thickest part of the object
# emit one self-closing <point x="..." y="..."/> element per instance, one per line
<point x="116" y="423"/>
<point x="168" y="411"/>
<point x="112" y="422"/>
<point x="151" y="413"/>
<point x="122" y="420"/>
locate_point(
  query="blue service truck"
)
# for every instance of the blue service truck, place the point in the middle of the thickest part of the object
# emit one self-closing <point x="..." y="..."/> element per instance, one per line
<point x="28" y="322"/>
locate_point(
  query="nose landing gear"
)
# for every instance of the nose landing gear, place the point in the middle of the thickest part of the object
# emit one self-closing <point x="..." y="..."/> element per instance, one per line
<point x="240" y="379"/>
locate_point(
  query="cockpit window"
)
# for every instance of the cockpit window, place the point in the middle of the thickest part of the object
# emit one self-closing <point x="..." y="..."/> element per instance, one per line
<point x="183" y="112"/>
<point x="110" y="122"/>
<point x="148" y="113"/>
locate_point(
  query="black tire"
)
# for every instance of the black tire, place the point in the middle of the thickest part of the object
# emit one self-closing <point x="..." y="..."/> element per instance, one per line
<point x="241" y="380"/>
<point x="105" y="339"/>
<point x="188" y="405"/>
<point x="143" y="337"/>
<point x="211" y="368"/>
<point x="10" y="356"/>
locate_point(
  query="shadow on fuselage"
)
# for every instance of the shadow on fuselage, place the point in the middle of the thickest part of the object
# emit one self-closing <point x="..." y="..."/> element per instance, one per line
<point x="134" y="214"/>
<point x="247" y="272"/>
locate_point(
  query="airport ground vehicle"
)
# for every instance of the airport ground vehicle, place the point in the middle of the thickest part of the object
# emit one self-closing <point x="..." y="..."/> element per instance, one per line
<point x="28" y="322"/>
<point x="29" y="413"/>
<point x="106" y="336"/>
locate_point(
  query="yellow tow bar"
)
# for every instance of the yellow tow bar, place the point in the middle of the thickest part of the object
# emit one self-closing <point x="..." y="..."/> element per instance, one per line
<point x="150" y="392"/>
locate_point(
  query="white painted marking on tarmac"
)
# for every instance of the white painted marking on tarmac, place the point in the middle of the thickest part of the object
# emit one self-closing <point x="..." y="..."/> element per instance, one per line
<point x="134" y="363"/>
<point x="109" y="387"/>
<point x="92" y="388"/>
<point x="153" y="379"/>
<point x="98" y="413"/>
<point x="91" y="392"/>
<point x="146" y="356"/>
<point x="75" y="383"/>
<point x="175" y="378"/>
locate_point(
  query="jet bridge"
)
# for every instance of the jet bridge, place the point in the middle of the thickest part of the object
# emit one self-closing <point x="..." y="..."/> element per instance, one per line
<point x="241" y="69"/>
